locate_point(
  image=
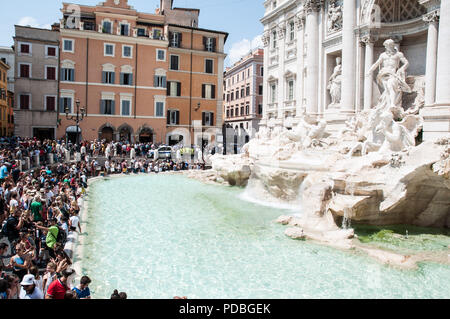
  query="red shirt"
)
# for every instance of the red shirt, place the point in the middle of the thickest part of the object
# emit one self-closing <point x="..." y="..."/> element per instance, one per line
<point x="57" y="290"/>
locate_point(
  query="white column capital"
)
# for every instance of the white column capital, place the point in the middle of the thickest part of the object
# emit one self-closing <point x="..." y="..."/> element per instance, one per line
<point x="266" y="38"/>
<point x="281" y="30"/>
<point x="432" y="16"/>
<point x="368" y="39"/>
<point x="299" y="20"/>
<point x="313" y="5"/>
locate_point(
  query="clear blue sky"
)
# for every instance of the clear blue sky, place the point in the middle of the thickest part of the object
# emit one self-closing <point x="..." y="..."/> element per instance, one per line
<point x="240" y="18"/>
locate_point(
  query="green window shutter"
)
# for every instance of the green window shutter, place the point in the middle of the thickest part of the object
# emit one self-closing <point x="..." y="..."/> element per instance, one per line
<point x="102" y="106"/>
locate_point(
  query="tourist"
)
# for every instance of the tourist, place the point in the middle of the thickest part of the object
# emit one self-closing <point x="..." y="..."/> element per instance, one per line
<point x="58" y="288"/>
<point x="37" y="277"/>
<point x="117" y="295"/>
<point x="13" y="286"/>
<point x="82" y="290"/>
<point x="21" y="261"/>
<point x="29" y="288"/>
<point x="49" y="276"/>
<point x="3" y="251"/>
<point x="74" y="222"/>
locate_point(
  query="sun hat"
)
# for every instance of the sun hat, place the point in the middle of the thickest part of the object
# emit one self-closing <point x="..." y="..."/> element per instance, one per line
<point x="28" y="280"/>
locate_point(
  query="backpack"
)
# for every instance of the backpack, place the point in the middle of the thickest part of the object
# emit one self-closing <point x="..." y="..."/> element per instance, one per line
<point x="5" y="228"/>
<point x="62" y="236"/>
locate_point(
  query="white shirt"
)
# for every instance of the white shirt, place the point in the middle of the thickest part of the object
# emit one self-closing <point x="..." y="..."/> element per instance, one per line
<point x="36" y="294"/>
<point x="74" y="220"/>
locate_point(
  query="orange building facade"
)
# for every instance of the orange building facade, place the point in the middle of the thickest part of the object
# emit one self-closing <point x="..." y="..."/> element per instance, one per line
<point x="138" y="76"/>
<point x="5" y="106"/>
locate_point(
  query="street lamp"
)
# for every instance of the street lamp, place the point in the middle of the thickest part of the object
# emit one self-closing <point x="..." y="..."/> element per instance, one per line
<point x="80" y="114"/>
<point x="202" y="148"/>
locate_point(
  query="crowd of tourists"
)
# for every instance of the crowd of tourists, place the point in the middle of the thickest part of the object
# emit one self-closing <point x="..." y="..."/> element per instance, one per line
<point x="40" y="207"/>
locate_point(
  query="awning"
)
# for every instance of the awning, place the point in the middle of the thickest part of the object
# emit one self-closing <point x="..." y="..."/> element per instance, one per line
<point x="73" y="129"/>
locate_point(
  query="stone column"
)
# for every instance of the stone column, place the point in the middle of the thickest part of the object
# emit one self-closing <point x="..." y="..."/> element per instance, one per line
<point x="300" y="24"/>
<point x="281" y="32"/>
<point x="348" y="56"/>
<point x="443" y="65"/>
<point x="312" y="8"/>
<point x="432" y="49"/>
<point x="368" y="78"/>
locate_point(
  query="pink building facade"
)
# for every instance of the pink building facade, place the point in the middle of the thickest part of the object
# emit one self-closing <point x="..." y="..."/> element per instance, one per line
<point x="243" y="99"/>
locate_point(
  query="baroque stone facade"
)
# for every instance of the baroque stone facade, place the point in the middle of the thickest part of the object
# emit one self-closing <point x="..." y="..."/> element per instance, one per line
<point x="318" y="54"/>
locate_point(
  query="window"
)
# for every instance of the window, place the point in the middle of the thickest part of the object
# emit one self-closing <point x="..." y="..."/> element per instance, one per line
<point x="290" y="90"/>
<point x="208" y="91"/>
<point x="207" y="119"/>
<point x="25" y="48"/>
<point x="247" y="91"/>
<point x="260" y="109"/>
<point x="228" y="113"/>
<point x="67" y="74"/>
<point x="25" y="70"/>
<point x="107" y="27"/>
<point x="50" y="103"/>
<point x="159" y="109"/>
<point x="107" y="107"/>
<point x="108" y="77"/>
<point x="209" y="66"/>
<point x="126" y="108"/>
<point x="262" y="71"/>
<point x="141" y="32"/>
<point x="175" y="39"/>
<point x="232" y="113"/>
<point x="174" y="62"/>
<point x="242" y="111"/>
<point x="157" y="34"/>
<point x="291" y="31"/>
<point x="24" y="101"/>
<point x="109" y="49"/>
<point x="173" y="117"/>
<point x="126" y="78"/>
<point x="124" y="29"/>
<point x="127" y="51"/>
<point x="274" y="39"/>
<point x="260" y="90"/>
<point x="232" y="96"/>
<point x="247" y="109"/>
<point x="50" y="72"/>
<point x="160" y="81"/>
<point x="237" y="94"/>
<point x="68" y="45"/>
<point x="174" y="89"/>
<point x="273" y="91"/>
<point x="50" y="51"/>
<point x="242" y="92"/>
<point x="210" y="44"/>
<point x="160" y="55"/>
<point x="65" y="103"/>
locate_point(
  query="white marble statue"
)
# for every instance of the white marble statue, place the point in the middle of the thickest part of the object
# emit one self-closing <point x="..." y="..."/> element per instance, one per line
<point x="335" y="83"/>
<point x="392" y="78"/>
<point x="315" y="133"/>
<point x="397" y="137"/>
<point x="334" y="17"/>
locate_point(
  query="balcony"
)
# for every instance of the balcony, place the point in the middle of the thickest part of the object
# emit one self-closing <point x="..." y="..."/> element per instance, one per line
<point x="290" y="105"/>
<point x="272" y="107"/>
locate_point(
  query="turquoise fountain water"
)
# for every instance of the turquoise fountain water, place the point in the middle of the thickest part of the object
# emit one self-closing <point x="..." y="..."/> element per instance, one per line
<point x="161" y="236"/>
